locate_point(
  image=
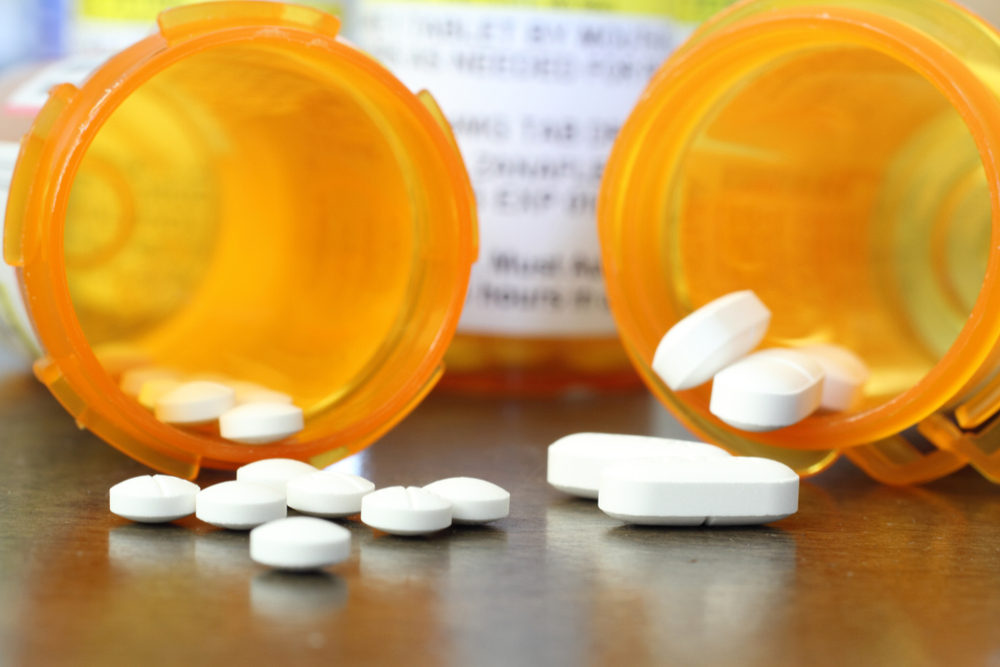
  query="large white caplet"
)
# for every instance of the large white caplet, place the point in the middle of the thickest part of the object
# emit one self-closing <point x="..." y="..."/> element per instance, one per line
<point x="575" y="462"/>
<point x="711" y="338"/>
<point x="690" y="492"/>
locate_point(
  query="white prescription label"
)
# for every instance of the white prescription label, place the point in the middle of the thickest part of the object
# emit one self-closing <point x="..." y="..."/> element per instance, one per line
<point x="535" y="97"/>
<point x="16" y="332"/>
<point x="31" y="96"/>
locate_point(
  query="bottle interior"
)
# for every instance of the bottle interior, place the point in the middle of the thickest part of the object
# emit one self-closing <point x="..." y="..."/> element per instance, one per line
<point x="843" y="188"/>
<point x="248" y="213"/>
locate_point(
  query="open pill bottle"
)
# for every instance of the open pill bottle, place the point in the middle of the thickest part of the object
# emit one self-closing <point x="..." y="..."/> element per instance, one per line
<point x="839" y="158"/>
<point x="242" y="194"/>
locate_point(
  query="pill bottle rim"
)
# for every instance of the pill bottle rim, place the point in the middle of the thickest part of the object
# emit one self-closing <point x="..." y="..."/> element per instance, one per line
<point x="60" y="136"/>
<point x="754" y="26"/>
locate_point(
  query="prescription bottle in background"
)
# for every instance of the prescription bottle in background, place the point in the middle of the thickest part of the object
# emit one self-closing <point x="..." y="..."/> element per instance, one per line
<point x="536" y="92"/>
<point x="839" y="158"/>
<point x="240" y="195"/>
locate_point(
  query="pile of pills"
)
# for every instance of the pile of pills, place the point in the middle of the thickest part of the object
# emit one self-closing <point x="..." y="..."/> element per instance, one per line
<point x="259" y="498"/>
<point x="756" y="391"/>
<point x="656" y="481"/>
<point x="247" y="413"/>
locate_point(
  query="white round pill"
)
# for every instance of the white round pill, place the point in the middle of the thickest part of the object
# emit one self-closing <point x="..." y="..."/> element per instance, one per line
<point x="473" y="501"/>
<point x="132" y="379"/>
<point x="250" y="392"/>
<point x="195" y="403"/>
<point x="575" y="462"/>
<point x="300" y="543"/>
<point x="261" y="423"/>
<point x="328" y="493"/>
<point x="845" y="376"/>
<point x="405" y="511"/>
<point x="240" y="505"/>
<point x="274" y="473"/>
<point x="154" y="498"/>
<point x="711" y="338"/>
<point x="768" y="390"/>
<point x="689" y="492"/>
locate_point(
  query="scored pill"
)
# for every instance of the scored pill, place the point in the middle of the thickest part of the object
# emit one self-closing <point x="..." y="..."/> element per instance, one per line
<point x="154" y="498"/>
<point x="300" y="543"/>
<point x="575" y="461"/>
<point x="327" y="493"/>
<point x="711" y="338"/>
<point x="845" y="376"/>
<point x="261" y="423"/>
<point x="405" y="511"/>
<point x="690" y="492"/>
<point x="195" y="403"/>
<point x="768" y="390"/>
<point x="473" y="501"/>
<point x="239" y="505"/>
<point x="274" y="473"/>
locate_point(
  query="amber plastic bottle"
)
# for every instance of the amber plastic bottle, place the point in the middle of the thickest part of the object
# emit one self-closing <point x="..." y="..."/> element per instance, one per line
<point x="242" y="194"/>
<point x="840" y="159"/>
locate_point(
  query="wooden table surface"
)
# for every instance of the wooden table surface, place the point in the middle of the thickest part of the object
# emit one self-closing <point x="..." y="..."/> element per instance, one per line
<point x="862" y="575"/>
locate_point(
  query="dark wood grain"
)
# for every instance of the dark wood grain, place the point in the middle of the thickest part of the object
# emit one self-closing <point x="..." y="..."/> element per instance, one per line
<point x="863" y="575"/>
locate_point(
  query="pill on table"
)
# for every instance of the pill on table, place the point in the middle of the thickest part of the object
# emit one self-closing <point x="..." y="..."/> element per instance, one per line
<point x="261" y="423"/>
<point x="300" y="543"/>
<point x="132" y="379"/>
<point x="249" y="392"/>
<point x="768" y="390"/>
<point x="711" y="338"/>
<point x="405" y="511"/>
<point x="689" y="492"/>
<point x="239" y="505"/>
<point x="845" y="376"/>
<point x="328" y="493"/>
<point x="154" y="498"/>
<point x="154" y="390"/>
<point x="575" y="462"/>
<point x="195" y="403"/>
<point x="274" y="473"/>
<point x="473" y="501"/>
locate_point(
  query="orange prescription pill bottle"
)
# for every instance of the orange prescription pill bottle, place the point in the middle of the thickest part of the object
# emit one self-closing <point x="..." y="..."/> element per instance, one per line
<point x="241" y="195"/>
<point x="840" y="158"/>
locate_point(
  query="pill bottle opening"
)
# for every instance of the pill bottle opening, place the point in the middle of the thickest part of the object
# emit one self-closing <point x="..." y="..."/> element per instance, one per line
<point x="268" y="208"/>
<point x="840" y="175"/>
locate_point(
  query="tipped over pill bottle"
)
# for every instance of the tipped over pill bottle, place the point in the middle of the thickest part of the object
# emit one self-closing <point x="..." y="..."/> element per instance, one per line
<point x="839" y="158"/>
<point x="536" y="91"/>
<point x="242" y="195"/>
